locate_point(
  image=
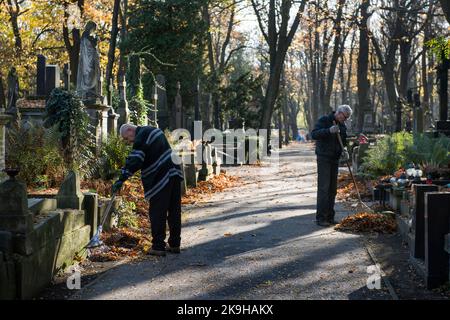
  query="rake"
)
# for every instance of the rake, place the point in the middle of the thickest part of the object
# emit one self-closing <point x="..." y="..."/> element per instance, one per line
<point x="95" y="241"/>
<point x="351" y="174"/>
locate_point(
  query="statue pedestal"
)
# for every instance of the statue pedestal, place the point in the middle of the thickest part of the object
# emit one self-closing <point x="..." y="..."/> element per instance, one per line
<point x="98" y="113"/>
<point x="4" y="119"/>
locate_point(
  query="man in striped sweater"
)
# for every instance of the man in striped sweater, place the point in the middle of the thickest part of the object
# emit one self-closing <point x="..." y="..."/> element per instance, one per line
<point x="161" y="179"/>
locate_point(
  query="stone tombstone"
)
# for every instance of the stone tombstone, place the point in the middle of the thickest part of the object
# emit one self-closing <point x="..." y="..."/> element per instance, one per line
<point x="190" y="169"/>
<point x="88" y="74"/>
<point x="110" y="92"/>
<point x="161" y="105"/>
<point x="437" y="217"/>
<point x="207" y="110"/>
<point x="178" y="106"/>
<point x="418" y="116"/>
<point x="69" y="195"/>
<point x="66" y="76"/>
<point x="52" y="78"/>
<point x="4" y="119"/>
<point x="123" y="111"/>
<point x="40" y="75"/>
<point x="112" y="121"/>
<point x="418" y="219"/>
<point x="196" y="89"/>
<point x="14" y="214"/>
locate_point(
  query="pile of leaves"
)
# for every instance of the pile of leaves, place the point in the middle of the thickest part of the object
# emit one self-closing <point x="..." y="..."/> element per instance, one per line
<point x="122" y="242"/>
<point x="135" y="242"/>
<point x="346" y="188"/>
<point x="206" y="188"/>
<point x="368" y="222"/>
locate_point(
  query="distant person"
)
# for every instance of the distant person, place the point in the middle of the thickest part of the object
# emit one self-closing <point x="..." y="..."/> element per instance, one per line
<point x="161" y="178"/>
<point x="328" y="151"/>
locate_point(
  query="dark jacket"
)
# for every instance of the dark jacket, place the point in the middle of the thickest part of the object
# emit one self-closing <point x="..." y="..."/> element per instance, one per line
<point x="327" y="144"/>
<point x="152" y="155"/>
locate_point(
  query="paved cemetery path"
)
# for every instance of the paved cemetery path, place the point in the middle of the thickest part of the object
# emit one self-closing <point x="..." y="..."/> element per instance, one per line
<point x="257" y="241"/>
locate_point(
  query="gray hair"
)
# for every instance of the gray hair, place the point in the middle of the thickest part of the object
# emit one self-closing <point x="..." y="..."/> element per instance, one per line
<point x="125" y="127"/>
<point x="344" y="108"/>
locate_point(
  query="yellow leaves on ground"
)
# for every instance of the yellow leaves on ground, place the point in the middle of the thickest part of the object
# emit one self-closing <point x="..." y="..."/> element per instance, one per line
<point x="368" y="222"/>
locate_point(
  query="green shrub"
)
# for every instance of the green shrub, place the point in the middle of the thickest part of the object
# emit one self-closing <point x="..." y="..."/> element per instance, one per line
<point x="66" y="112"/>
<point x="429" y="152"/>
<point x="127" y="215"/>
<point x="37" y="153"/>
<point x="388" y="155"/>
<point x="138" y="109"/>
<point x="113" y="154"/>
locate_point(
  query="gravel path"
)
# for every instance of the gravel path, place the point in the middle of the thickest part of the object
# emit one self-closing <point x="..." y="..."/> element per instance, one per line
<point x="256" y="241"/>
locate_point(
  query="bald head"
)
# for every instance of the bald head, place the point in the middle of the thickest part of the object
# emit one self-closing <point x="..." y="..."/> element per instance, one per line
<point x="128" y="132"/>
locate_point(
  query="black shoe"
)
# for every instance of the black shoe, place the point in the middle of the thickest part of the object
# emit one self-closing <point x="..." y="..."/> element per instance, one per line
<point x="172" y="249"/>
<point x="159" y="253"/>
<point x="323" y="223"/>
<point x="333" y="222"/>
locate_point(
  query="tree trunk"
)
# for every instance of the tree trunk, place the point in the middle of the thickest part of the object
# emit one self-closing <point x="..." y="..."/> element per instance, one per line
<point x="363" y="66"/>
<point x="293" y="108"/>
<point x="112" y="43"/>
<point x="73" y="48"/>
<point x="278" y="42"/>
<point x="445" y="4"/>
<point x="405" y="51"/>
<point x="334" y="58"/>
<point x="123" y="34"/>
<point x="14" y="10"/>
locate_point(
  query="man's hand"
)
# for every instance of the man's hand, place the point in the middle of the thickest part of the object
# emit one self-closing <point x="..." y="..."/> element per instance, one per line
<point x="117" y="186"/>
<point x="334" y="129"/>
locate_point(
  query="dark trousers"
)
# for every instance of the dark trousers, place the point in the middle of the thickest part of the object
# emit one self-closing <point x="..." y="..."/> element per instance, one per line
<point x="327" y="171"/>
<point x="166" y="206"/>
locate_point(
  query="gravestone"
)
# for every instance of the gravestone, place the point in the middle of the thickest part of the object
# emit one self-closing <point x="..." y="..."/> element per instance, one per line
<point x="196" y="90"/>
<point x="123" y="111"/>
<point x="190" y="169"/>
<point x="52" y="78"/>
<point x="112" y="121"/>
<point x="207" y="169"/>
<point x="418" y="219"/>
<point x="443" y="125"/>
<point x="162" y="106"/>
<point x="40" y="75"/>
<point x="69" y="195"/>
<point x="66" y="76"/>
<point x="178" y="107"/>
<point x="14" y="214"/>
<point x="4" y="119"/>
<point x="437" y="215"/>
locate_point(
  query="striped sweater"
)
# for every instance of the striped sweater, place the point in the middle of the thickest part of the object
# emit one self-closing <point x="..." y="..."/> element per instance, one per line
<point x="152" y="155"/>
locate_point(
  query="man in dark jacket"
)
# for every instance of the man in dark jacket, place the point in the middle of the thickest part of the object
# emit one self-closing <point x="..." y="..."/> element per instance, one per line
<point x="161" y="178"/>
<point x="328" y="151"/>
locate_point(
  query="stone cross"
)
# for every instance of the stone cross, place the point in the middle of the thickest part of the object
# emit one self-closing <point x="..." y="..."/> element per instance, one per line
<point x="161" y="106"/>
<point x="110" y="92"/>
<point x="178" y="108"/>
<point x="153" y="119"/>
<point x="67" y="73"/>
<point x="197" y="101"/>
<point x="123" y="110"/>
